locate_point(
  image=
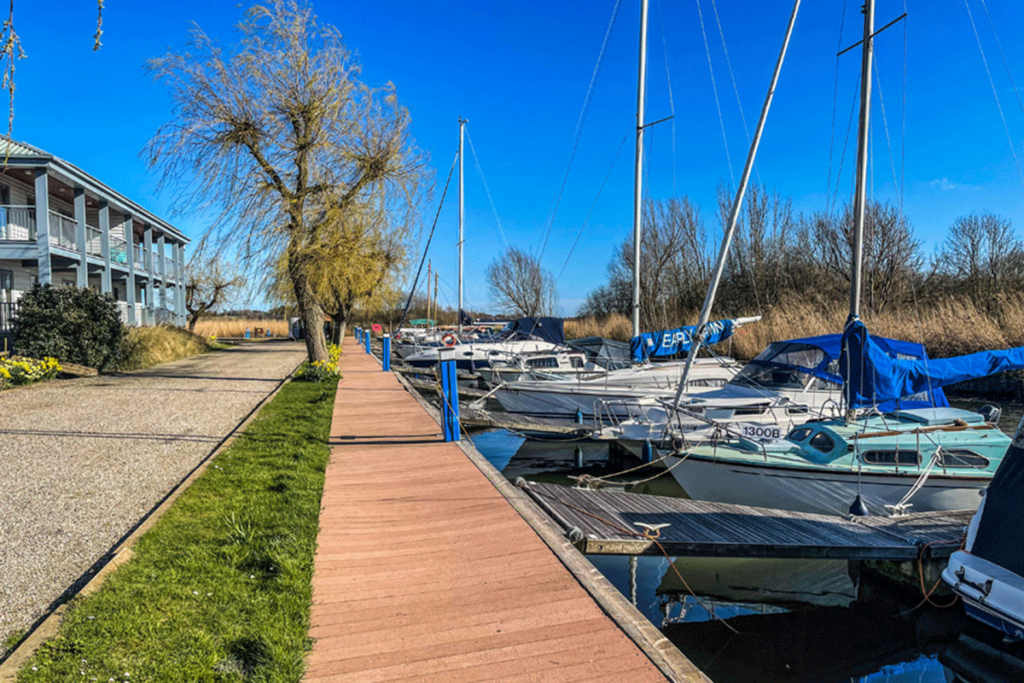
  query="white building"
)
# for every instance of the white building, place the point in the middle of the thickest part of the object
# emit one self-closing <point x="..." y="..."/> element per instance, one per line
<point x="61" y="226"/>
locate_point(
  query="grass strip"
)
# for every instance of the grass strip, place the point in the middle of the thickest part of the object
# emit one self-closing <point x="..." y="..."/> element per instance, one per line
<point x="220" y="588"/>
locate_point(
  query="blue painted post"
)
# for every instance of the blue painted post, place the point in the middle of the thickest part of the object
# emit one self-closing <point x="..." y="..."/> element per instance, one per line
<point x="247" y="333"/>
<point x="366" y="339"/>
<point x="385" y="353"/>
<point x="449" y="396"/>
<point x="359" y="335"/>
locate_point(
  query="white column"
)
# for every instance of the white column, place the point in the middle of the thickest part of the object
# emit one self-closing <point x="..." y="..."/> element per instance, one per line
<point x="82" y="270"/>
<point x="45" y="272"/>
<point x="129" y="239"/>
<point x="147" y="257"/>
<point x="161" y="247"/>
<point x="105" y="284"/>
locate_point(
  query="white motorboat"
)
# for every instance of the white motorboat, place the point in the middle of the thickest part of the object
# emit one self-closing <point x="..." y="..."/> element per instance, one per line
<point x="989" y="572"/>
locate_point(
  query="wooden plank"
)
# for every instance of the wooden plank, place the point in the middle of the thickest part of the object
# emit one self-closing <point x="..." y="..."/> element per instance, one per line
<point x="602" y="522"/>
<point x="487" y="600"/>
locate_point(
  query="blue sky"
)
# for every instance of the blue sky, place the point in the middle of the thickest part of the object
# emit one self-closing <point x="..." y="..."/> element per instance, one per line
<point x="519" y="71"/>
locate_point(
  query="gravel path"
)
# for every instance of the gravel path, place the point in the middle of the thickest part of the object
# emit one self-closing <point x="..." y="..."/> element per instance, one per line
<point x="81" y="461"/>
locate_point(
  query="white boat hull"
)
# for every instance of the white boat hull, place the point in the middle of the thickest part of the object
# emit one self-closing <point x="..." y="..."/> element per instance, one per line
<point x="617" y="395"/>
<point x="817" y="491"/>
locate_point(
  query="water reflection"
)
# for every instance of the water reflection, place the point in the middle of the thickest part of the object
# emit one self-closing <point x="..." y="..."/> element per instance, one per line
<point x="770" y="620"/>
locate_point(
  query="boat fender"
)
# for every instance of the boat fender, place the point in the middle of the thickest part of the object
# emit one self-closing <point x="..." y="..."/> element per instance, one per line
<point x="521" y="483"/>
<point x="448" y="340"/>
<point x="859" y="508"/>
<point x="574" y="534"/>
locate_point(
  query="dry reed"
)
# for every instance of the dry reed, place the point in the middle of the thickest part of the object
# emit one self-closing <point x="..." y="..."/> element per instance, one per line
<point x="224" y="326"/>
<point x="951" y="327"/>
<point x="144" y="347"/>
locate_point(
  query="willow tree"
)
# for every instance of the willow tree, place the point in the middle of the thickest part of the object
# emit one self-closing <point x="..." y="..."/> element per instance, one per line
<point x="355" y="266"/>
<point x="282" y="137"/>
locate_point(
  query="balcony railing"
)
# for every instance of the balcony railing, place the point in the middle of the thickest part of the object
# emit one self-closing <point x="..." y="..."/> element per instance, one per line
<point x="93" y="241"/>
<point x="118" y="251"/>
<point x="62" y="230"/>
<point x="8" y="311"/>
<point x="139" y="254"/>
<point x="17" y="223"/>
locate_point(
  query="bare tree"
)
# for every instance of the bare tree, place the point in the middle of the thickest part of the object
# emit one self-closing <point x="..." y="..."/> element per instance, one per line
<point x="519" y="286"/>
<point x="208" y="284"/>
<point x="892" y="255"/>
<point x="981" y="257"/>
<point x="674" y="267"/>
<point x="282" y="136"/>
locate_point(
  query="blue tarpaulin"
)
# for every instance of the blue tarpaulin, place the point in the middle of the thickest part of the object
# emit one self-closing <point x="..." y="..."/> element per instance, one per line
<point x="546" y="329"/>
<point x="671" y="342"/>
<point x="872" y="376"/>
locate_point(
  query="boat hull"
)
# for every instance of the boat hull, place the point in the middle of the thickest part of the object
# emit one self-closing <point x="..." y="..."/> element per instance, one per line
<point x="816" y="490"/>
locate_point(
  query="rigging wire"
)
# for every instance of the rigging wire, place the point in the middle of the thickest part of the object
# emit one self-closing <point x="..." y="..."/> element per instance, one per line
<point x="995" y="93"/>
<point x="579" y="126"/>
<point x="671" y="100"/>
<point x="732" y="75"/>
<point x="885" y="125"/>
<point x="1003" y="55"/>
<point x="835" y="99"/>
<point x="487" y="191"/>
<point x="419" y="271"/>
<point x="586" y="220"/>
<point x="714" y="88"/>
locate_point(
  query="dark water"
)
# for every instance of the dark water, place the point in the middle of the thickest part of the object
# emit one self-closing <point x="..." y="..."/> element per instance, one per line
<point x="807" y="621"/>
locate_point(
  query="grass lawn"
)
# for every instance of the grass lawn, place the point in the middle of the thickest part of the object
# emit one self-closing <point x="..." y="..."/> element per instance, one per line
<point x="219" y="589"/>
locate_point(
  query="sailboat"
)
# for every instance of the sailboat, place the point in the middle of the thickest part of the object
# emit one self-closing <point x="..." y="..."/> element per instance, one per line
<point x="929" y="459"/>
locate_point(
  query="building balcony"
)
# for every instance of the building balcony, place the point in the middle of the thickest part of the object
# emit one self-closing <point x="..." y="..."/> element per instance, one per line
<point x="18" y="223"/>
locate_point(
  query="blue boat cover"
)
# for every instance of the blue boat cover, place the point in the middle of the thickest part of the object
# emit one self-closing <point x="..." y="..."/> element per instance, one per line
<point x="547" y="329"/>
<point x="827" y="365"/>
<point x="874" y="376"/>
<point x="671" y="342"/>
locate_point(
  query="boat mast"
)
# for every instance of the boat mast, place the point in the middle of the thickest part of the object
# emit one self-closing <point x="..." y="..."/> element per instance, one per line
<point x="860" y="194"/>
<point x="723" y="252"/>
<point x="638" y="172"/>
<point x="462" y="125"/>
<point x="428" y="295"/>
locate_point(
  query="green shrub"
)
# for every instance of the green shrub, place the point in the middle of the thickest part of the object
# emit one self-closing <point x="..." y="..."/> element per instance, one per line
<point x="70" y="324"/>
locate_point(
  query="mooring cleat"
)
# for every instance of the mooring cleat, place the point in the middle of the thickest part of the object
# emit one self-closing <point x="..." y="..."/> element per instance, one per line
<point x="651" y="530"/>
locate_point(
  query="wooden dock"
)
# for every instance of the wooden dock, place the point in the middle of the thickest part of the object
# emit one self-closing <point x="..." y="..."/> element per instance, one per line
<point x="605" y="522"/>
<point x="430" y="567"/>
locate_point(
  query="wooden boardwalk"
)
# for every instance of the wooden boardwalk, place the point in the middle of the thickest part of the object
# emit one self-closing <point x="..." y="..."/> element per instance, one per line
<point x="425" y="571"/>
<point x="604" y="522"/>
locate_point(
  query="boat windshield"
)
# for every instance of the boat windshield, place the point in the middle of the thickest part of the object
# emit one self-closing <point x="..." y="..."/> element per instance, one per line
<point x="782" y="366"/>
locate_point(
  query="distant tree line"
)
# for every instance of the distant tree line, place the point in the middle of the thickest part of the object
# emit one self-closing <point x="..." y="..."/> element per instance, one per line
<point x="780" y="256"/>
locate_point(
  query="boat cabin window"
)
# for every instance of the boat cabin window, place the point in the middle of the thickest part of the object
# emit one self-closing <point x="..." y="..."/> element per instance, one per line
<point x="782" y="366"/>
<point x="706" y="382"/>
<point x="799" y="434"/>
<point x="891" y="457"/>
<point x="822" y="442"/>
<point x="961" y="457"/>
<point x="576" y="362"/>
<point x="543" y="362"/>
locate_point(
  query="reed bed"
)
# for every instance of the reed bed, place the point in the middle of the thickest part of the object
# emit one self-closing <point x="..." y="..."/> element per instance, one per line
<point x="144" y="347"/>
<point x="225" y="326"/>
<point x="951" y="327"/>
